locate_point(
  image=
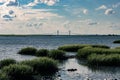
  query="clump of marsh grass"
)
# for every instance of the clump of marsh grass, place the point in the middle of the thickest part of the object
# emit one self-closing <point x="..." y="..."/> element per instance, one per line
<point x="7" y="62"/>
<point x="76" y="47"/>
<point x="85" y="52"/>
<point x="3" y="76"/>
<point x="104" y="59"/>
<point x="17" y="71"/>
<point x="100" y="46"/>
<point x="116" y="41"/>
<point x="57" y="54"/>
<point x="42" y="52"/>
<point x="42" y="65"/>
<point x="28" y="51"/>
<point x="72" y="47"/>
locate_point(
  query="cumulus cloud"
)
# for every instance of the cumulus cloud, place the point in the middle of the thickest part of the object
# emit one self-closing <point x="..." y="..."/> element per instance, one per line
<point x="109" y="12"/>
<point x="47" y="2"/>
<point x="11" y="3"/>
<point x="101" y="7"/>
<point x="85" y="11"/>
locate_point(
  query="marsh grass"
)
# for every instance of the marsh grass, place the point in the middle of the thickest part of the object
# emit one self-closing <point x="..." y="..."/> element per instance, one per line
<point x="3" y="76"/>
<point x="117" y="48"/>
<point x="104" y="59"/>
<point x="6" y="62"/>
<point x="100" y="46"/>
<point x="42" y="65"/>
<point x="57" y="54"/>
<point x="28" y="51"/>
<point x="19" y="72"/>
<point x="85" y="52"/>
<point x="42" y="53"/>
<point x="116" y="41"/>
<point x="76" y="47"/>
<point x="72" y="47"/>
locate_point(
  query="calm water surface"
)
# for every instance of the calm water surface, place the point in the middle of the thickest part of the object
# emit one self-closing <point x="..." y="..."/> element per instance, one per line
<point x="10" y="45"/>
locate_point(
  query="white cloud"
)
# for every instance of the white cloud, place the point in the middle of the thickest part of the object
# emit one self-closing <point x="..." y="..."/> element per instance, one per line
<point x="8" y="13"/>
<point x="2" y="1"/>
<point x="11" y="3"/>
<point x="109" y="12"/>
<point x="101" y="7"/>
<point x="47" y="2"/>
<point x="31" y="4"/>
<point x="85" y="11"/>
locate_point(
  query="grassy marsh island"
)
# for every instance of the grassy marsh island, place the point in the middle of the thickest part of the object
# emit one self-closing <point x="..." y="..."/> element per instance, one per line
<point x="116" y="41"/>
<point x="28" y="69"/>
<point x="76" y="47"/>
<point x="42" y="52"/>
<point x="17" y="71"/>
<point x="85" y="52"/>
<point x="95" y="54"/>
<point x="100" y="56"/>
<point x="42" y="65"/>
<point x="28" y="51"/>
<point x="104" y="59"/>
<point x="71" y="48"/>
<point x="57" y="54"/>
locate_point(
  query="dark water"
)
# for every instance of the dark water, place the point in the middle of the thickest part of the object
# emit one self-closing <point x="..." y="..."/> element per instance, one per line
<point x="10" y="45"/>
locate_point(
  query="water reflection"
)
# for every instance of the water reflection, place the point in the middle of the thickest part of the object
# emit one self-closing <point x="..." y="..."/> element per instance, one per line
<point x="85" y="72"/>
<point x="105" y="69"/>
<point x="102" y="72"/>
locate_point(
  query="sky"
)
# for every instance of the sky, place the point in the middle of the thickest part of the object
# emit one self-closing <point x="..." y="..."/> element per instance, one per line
<point x="48" y="16"/>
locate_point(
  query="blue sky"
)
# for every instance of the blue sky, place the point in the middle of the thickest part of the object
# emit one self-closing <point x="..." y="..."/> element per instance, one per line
<point x="48" y="16"/>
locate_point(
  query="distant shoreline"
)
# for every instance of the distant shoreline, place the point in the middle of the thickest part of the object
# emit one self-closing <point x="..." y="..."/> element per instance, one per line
<point x="59" y="35"/>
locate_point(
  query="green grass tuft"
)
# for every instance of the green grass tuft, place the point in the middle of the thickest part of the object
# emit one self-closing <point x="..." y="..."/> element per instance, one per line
<point x="3" y="76"/>
<point x="28" y="51"/>
<point x="42" y="65"/>
<point x="72" y="47"/>
<point x="116" y="41"/>
<point x="42" y="53"/>
<point x="19" y="72"/>
<point x="57" y="54"/>
<point x="104" y="60"/>
<point x="100" y="46"/>
<point x="7" y="62"/>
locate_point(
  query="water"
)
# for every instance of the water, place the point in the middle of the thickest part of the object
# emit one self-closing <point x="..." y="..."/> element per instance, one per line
<point x="10" y="45"/>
